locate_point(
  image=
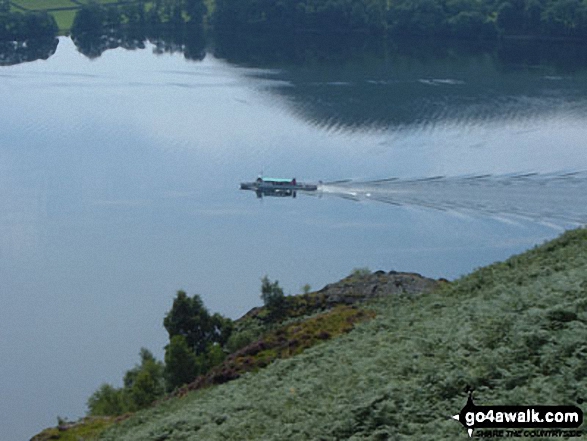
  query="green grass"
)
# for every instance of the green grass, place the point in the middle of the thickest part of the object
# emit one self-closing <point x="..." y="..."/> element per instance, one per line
<point x="64" y="20"/>
<point x="44" y="5"/>
<point x="515" y="331"/>
<point x="103" y="2"/>
<point x="86" y="430"/>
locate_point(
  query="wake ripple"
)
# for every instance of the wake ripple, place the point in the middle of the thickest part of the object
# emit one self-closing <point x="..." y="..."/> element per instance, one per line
<point x="559" y="197"/>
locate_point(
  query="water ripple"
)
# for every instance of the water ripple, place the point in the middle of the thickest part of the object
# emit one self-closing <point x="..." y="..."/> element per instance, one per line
<point x="553" y="197"/>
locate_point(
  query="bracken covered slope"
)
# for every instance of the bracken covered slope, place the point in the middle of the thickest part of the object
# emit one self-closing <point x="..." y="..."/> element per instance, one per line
<point x="515" y="331"/>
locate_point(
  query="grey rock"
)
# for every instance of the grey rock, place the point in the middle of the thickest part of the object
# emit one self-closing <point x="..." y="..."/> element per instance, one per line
<point x="353" y="289"/>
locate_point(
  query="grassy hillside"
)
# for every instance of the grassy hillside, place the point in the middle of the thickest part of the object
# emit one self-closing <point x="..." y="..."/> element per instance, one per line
<point x="515" y="331"/>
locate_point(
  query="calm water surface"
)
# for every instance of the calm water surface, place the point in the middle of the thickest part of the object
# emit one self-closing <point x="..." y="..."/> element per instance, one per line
<point x="119" y="177"/>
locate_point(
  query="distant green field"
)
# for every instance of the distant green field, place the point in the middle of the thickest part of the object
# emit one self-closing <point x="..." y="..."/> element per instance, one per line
<point x="64" y="20"/>
<point x="103" y="2"/>
<point x="65" y="17"/>
<point x="44" y="5"/>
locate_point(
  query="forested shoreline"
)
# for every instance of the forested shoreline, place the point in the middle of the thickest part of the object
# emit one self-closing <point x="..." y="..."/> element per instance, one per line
<point x="19" y="26"/>
<point x="170" y="26"/>
<point x="463" y="19"/>
<point x="188" y="26"/>
<point x="467" y="19"/>
<point x="26" y="36"/>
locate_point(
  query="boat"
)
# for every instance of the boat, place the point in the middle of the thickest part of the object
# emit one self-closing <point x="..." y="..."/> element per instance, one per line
<point x="264" y="186"/>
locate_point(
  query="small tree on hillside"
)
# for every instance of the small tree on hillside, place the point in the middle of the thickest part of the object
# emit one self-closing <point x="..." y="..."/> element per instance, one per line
<point x="273" y="298"/>
<point x="144" y="383"/>
<point x="196" y="339"/>
<point x="147" y="387"/>
<point x="181" y="365"/>
<point x="107" y="400"/>
<point x="148" y="361"/>
<point x="190" y="318"/>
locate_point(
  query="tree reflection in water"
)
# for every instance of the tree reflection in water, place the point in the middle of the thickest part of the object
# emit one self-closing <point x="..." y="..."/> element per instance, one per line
<point x="16" y="52"/>
<point x="97" y="28"/>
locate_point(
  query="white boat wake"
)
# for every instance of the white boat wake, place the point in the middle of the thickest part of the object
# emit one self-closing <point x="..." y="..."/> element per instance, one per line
<point x="554" y="197"/>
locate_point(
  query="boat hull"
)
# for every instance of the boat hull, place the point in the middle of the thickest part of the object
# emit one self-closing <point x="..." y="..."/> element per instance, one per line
<point x="277" y="187"/>
<point x="266" y="187"/>
<point x="263" y="186"/>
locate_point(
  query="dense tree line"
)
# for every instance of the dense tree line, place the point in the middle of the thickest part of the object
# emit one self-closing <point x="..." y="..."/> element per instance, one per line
<point x="180" y="25"/>
<point x="557" y="18"/>
<point x="15" y="52"/>
<point x="171" y="25"/>
<point x="428" y="18"/>
<point x="21" y="27"/>
<point x="25" y="36"/>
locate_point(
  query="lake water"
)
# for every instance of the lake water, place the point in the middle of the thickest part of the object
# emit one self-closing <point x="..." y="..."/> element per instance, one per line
<point x="119" y="185"/>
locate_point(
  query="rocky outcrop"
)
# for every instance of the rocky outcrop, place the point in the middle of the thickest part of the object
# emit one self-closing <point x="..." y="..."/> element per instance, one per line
<point x="355" y="288"/>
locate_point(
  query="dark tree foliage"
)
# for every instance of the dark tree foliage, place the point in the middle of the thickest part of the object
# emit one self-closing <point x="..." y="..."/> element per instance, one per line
<point x="89" y="20"/>
<point x="466" y="19"/>
<point x="15" y="52"/>
<point x="196" y="345"/>
<point x="143" y="384"/>
<point x="181" y="364"/>
<point x="565" y="18"/>
<point x="171" y="25"/>
<point x="26" y="36"/>
<point x="464" y="24"/>
<point x="288" y="15"/>
<point x="533" y="17"/>
<point x="147" y="360"/>
<point x="196" y="340"/>
<point x="189" y="318"/>
<point x="97" y="28"/>
<point x="271" y="292"/>
<point x="107" y="400"/>
<point x="23" y="27"/>
<point x="273" y="298"/>
<point x="148" y="387"/>
<point x="417" y="17"/>
<point x="510" y="17"/>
